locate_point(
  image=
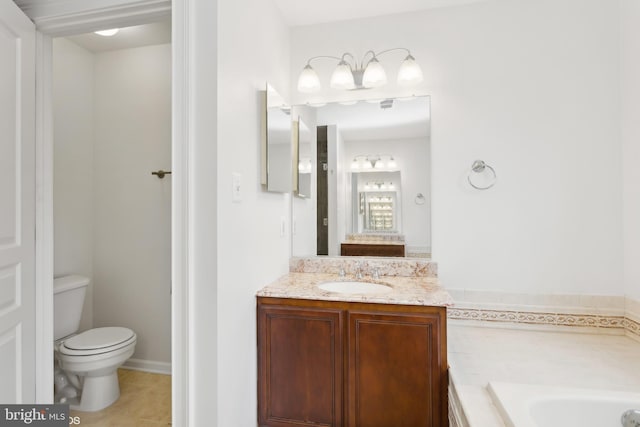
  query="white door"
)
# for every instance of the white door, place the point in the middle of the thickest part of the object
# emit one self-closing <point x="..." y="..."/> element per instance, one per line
<point x="17" y="205"/>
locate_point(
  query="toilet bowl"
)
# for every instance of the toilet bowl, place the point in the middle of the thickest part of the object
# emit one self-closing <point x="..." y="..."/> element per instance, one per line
<point x="86" y="376"/>
<point x="95" y="356"/>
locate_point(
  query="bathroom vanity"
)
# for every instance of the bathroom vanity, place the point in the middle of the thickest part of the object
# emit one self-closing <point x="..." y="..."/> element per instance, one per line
<point x="352" y="359"/>
<point x="373" y="244"/>
<point x="372" y="249"/>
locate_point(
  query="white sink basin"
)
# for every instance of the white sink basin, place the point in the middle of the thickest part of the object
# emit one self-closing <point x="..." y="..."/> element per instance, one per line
<point x="355" y="287"/>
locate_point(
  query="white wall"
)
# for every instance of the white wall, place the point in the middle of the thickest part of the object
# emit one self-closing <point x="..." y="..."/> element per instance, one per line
<point x="132" y="208"/>
<point x="112" y="118"/>
<point x="532" y="88"/>
<point x="73" y="164"/>
<point x="253" y="47"/>
<point x="630" y="89"/>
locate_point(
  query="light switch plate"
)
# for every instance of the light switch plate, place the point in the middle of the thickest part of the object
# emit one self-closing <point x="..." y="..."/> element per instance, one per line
<point x="236" y="182"/>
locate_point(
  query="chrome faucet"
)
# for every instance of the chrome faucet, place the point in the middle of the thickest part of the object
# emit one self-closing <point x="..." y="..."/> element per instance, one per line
<point x="359" y="271"/>
<point x="631" y="418"/>
<point x="376" y="274"/>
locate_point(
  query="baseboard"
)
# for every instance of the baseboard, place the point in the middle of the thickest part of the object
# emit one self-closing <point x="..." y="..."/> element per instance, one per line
<point x="148" y="366"/>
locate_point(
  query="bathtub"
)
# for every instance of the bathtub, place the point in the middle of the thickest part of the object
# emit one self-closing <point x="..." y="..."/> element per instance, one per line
<point x="550" y="406"/>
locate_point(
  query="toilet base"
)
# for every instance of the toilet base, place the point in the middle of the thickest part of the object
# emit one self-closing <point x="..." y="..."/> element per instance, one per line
<point x="97" y="393"/>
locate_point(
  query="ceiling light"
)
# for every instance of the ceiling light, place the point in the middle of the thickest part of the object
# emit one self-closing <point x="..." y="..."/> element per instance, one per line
<point x="108" y="33"/>
<point x="350" y="74"/>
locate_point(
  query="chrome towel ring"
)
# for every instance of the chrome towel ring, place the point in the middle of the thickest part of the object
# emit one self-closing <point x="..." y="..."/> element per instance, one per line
<point x="479" y="167"/>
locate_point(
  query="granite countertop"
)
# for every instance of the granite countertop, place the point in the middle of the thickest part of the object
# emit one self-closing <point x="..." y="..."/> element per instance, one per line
<point x="424" y="291"/>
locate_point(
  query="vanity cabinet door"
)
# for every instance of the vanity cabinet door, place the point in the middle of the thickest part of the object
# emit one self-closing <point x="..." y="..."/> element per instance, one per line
<point x="397" y="372"/>
<point x="300" y="361"/>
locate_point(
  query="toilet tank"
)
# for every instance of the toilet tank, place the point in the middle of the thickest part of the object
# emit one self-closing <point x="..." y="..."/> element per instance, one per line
<point x="68" y="300"/>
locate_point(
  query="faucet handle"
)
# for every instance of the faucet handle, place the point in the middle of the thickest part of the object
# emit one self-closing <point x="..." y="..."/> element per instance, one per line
<point x="342" y="273"/>
<point x="359" y="270"/>
<point x="376" y="274"/>
<point x="631" y="418"/>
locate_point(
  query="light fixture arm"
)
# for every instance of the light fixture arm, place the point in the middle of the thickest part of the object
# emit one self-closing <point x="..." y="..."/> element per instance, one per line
<point x="327" y="56"/>
<point x="374" y="55"/>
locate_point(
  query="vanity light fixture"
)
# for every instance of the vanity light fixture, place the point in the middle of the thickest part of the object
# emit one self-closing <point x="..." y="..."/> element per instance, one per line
<point x="379" y="186"/>
<point x="108" y="33"/>
<point x="351" y="75"/>
<point x="371" y="161"/>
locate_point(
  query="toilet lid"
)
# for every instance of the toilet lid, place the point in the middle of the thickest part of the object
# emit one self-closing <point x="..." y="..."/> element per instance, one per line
<point x="99" y="338"/>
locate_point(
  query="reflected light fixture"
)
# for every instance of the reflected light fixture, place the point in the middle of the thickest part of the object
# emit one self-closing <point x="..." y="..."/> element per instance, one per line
<point x="379" y="186"/>
<point x="373" y="161"/>
<point x="108" y="33"/>
<point x="351" y="75"/>
<point x="304" y="165"/>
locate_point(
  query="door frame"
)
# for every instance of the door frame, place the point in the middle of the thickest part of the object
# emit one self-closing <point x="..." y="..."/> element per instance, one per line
<point x="74" y="22"/>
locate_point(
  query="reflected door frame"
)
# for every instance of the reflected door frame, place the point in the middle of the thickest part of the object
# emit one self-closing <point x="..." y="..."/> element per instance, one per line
<point x="67" y="22"/>
<point x="322" y="193"/>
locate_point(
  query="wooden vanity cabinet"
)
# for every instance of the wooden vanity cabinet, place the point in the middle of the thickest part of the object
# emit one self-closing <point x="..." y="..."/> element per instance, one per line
<point x="325" y="363"/>
<point x="300" y="366"/>
<point x="371" y="249"/>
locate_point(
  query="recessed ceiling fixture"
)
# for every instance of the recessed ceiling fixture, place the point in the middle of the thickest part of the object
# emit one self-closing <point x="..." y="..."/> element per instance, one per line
<point x="108" y="33"/>
<point x="369" y="73"/>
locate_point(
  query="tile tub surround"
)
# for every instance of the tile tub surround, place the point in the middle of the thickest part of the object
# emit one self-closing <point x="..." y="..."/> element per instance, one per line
<point x="405" y="290"/>
<point x="403" y="267"/>
<point x="478" y="355"/>
<point x="589" y="313"/>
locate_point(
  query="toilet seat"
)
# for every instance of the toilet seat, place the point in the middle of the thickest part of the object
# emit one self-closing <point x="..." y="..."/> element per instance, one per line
<point x="97" y="341"/>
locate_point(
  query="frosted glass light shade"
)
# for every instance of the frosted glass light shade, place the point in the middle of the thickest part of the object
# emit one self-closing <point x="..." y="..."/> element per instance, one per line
<point x="410" y="72"/>
<point x="342" y="77"/>
<point x="308" y="81"/>
<point x="374" y="75"/>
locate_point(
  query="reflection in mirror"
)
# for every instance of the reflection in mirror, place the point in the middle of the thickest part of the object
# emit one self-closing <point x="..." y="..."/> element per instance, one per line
<point x="277" y="147"/>
<point x="370" y="180"/>
<point x="377" y="195"/>
<point x="305" y="167"/>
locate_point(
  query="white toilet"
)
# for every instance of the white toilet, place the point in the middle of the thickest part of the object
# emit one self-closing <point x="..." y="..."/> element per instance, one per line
<point x="87" y="376"/>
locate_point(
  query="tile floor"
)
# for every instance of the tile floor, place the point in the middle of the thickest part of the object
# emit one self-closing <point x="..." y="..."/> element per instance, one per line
<point x="145" y="401"/>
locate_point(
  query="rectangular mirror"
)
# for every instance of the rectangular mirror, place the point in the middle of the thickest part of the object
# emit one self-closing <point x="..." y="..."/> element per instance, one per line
<point x="276" y="144"/>
<point x="369" y="180"/>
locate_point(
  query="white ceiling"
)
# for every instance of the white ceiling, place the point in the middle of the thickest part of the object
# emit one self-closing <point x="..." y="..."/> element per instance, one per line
<point x="295" y="13"/>
<point x="126" y="38"/>
<point x="309" y="12"/>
